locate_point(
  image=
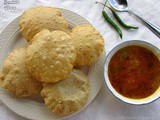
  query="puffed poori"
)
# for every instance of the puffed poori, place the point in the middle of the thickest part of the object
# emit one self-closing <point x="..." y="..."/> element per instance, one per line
<point x="50" y="56"/>
<point x="88" y="43"/>
<point x="67" y="96"/>
<point x="38" y="18"/>
<point x="15" y="76"/>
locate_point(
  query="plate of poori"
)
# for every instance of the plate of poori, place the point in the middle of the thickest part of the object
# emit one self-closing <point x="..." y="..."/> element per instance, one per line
<point x="51" y="63"/>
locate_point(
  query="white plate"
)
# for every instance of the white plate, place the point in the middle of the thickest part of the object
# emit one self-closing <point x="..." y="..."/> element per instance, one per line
<point x="33" y="107"/>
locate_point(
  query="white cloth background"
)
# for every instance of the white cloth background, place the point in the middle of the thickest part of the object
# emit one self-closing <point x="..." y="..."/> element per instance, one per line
<point x="105" y="106"/>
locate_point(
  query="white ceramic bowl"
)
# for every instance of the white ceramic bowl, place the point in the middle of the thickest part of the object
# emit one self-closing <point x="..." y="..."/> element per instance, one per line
<point x="149" y="46"/>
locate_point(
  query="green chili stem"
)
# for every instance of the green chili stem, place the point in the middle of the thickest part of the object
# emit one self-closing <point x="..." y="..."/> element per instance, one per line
<point x="110" y="21"/>
<point x="104" y="4"/>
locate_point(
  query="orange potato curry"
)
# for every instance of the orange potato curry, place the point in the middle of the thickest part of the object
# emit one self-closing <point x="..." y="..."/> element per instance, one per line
<point x="134" y="72"/>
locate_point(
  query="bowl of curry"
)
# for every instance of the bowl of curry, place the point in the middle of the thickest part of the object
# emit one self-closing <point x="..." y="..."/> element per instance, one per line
<point x="132" y="72"/>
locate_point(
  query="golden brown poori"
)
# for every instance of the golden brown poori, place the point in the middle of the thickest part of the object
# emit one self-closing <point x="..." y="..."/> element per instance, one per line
<point x="15" y="76"/>
<point x="88" y="43"/>
<point x="50" y="56"/>
<point x="38" y="18"/>
<point x="67" y="96"/>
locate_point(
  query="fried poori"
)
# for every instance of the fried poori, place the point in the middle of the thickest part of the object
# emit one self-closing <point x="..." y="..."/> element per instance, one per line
<point x="67" y="96"/>
<point x="38" y="18"/>
<point x="50" y="56"/>
<point x="15" y="76"/>
<point x="88" y="43"/>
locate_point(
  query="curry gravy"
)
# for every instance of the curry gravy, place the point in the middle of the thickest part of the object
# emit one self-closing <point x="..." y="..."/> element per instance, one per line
<point x="134" y="72"/>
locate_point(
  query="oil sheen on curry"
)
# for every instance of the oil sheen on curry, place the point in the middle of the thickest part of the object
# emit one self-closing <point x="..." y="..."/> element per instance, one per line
<point x="134" y="72"/>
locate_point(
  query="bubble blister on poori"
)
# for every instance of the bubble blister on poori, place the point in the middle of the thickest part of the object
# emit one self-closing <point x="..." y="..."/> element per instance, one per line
<point x="42" y="17"/>
<point x="15" y="76"/>
<point x="50" y="56"/>
<point x="67" y="96"/>
<point x="88" y="43"/>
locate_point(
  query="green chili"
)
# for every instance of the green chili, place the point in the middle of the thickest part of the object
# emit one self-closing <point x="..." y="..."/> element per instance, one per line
<point x="121" y="22"/>
<point x="109" y="20"/>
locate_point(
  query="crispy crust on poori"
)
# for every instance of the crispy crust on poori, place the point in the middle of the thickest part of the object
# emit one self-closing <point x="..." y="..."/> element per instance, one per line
<point x="15" y="76"/>
<point x="50" y="56"/>
<point x="67" y="96"/>
<point x="38" y="18"/>
<point x="88" y="43"/>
